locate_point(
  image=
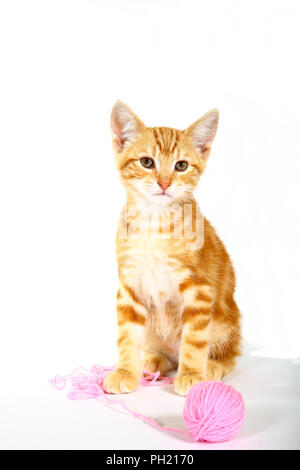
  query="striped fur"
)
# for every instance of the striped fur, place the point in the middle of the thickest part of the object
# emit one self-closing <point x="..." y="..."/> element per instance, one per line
<point x="175" y="302"/>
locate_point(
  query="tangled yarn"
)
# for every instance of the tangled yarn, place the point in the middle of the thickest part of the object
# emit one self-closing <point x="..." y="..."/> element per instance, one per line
<point x="213" y="411"/>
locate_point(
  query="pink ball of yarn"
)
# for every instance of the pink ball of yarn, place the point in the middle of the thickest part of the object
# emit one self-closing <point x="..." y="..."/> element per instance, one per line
<point x="213" y="412"/>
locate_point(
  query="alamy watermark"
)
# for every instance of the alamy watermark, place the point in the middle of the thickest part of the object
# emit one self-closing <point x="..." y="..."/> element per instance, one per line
<point x="182" y="222"/>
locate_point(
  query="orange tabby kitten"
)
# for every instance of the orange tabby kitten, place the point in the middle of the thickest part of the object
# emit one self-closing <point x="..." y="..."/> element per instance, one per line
<point x="175" y="301"/>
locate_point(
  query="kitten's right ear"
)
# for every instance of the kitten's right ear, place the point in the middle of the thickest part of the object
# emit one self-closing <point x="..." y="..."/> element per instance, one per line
<point x="125" y="126"/>
<point x="203" y="131"/>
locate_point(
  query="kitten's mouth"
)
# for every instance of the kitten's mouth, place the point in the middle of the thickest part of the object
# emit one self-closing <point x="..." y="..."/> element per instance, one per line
<point x="162" y="194"/>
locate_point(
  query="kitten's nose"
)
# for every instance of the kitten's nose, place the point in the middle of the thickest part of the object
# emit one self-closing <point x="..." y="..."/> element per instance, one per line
<point x="164" y="184"/>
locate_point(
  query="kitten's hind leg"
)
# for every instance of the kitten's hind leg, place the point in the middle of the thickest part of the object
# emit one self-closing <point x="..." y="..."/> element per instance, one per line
<point x="218" y="368"/>
<point x="154" y="362"/>
<point x="223" y="355"/>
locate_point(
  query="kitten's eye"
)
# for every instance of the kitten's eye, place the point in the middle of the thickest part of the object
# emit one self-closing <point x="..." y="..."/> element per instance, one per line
<point x="181" y="165"/>
<point x="147" y="162"/>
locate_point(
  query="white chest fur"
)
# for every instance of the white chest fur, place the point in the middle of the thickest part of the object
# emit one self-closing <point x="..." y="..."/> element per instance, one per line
<point x="147" y="266"/>
<point x="155" y="279"/>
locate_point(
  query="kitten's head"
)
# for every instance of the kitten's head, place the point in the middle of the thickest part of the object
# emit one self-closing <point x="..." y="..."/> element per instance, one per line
<point x="160" y="164"/>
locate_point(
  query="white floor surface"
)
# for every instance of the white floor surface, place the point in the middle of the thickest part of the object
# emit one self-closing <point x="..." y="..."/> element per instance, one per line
<point x="46" y="419"/>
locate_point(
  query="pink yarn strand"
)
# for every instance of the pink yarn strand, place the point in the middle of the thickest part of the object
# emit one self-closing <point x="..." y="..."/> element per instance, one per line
<point x="88" y="384"/>
<point x="213" y="411"/>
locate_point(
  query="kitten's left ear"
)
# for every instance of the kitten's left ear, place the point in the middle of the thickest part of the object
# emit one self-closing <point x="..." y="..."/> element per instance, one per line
<point x="203" y="131"/>
<point x="125" y="126"/>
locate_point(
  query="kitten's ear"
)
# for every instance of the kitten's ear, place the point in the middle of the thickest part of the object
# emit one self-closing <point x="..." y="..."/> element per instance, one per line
<point x="203" y="132"/>
<point x="125" y="126"/>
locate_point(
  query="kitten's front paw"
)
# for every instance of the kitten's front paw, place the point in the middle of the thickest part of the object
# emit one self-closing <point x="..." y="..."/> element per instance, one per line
<point x="183" y="383"/>
<point x="120" y="382"/>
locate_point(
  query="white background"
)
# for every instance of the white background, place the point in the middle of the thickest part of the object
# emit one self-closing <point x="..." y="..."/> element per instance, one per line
<point x="63" y="64"/>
